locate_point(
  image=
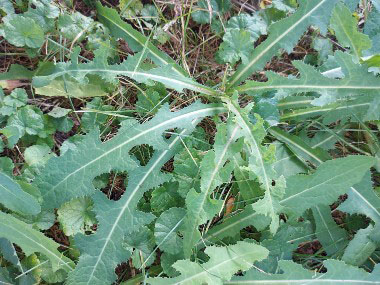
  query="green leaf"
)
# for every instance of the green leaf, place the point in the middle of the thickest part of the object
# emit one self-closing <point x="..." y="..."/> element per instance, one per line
<point x="59" y="112"/>
<point x="76" y="216"/>
<point x="6" y="166"/>
<point x="232" y="225"/>
<point x="186" y="170"/>
<point x="261" y="162"/>
<point x="332" y="237"/>
<point x="149" y="13"/>
<point x="74" y="26"/>
<point x="301" y="149"/>
<point x="130" y="67"/>
<point x="21" y="31"/>
<point x="357" y="81"/>
<point x="99" y="254"/>
<point x="44" y="13"/>
<point x="121" y="29"/>
<point x="97" y="114"/>
<point x="16" y="99"/>
<point x="345" y="26"/>
<point x="165" y="197"/>
<point x="205" y="11"/>
<point x="363" y="200"/>
<point x="15" y="199"/>
<point x="82" y="165"/>
<point x="70" y="88"/>
<point x="27" y="120"/>
<point x="166" y="229"/>
<point x="372" y="29"/>
<point x="7" y="7"/>
<point x="130" y="9"/>
<point x="293" y="273"/>
<point x="215" y="170"/>
<point x="237" y="43"/>
<point x="254" y="24"/>
<point x="284" y="34"/>
<point x="362" y="107"/>
<point x="287" y="162"/>
<point x="141" y="240"/>
<point x="223" y="263"/>
<point x="331" y="179"/>
<point x="43" y="221"/>
<point x="32" y="241"/>
<point x="37" y="155"/>
<point x="283" y="244"/>
<point x="360" y="247"/>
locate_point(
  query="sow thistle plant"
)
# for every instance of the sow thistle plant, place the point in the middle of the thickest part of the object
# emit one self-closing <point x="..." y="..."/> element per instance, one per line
<point x="231" y="212"/>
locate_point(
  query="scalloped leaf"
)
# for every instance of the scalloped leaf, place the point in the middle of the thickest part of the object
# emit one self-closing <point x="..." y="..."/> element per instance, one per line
<point x="223" y="263"/>
<point x="337" y="273"/>
<point x="357" y="81"/>
<point x="71" y="175"/>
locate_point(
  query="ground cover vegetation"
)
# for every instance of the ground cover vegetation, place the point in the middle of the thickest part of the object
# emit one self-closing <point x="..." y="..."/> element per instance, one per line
<point x="189" y="142"/>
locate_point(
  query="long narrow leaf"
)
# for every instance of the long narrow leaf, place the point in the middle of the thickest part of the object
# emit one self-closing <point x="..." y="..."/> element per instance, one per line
<point x="284" y="35"/>
<point x="121" y="29"/>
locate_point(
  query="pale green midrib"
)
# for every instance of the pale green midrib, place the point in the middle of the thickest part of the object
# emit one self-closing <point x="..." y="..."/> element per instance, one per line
<point x="289" y="141"/>
<point x="242" y="174"/>
<point x="323" y="109"/>
<point x="11" y="192"/>
<point x="208" y="270"/>
<point x="248" y="66"/>
<point x="302" y="281"/>
<point x="218" y="164"/>
<point x="256" y="146"/>
<point x="137" y="40"/>
<point x="40" y="245"/>
<point x="366" y="201"/>
<point x="195" y="86"/>
<point x="126" y="204"/>
<point x="208" y="189"/>
<point x="223" y="229"/>
<point x="284" y="104"/>
<point x="333" y="242"/>
<point x="260" y="157"/>
<point x="206" y="110"/>
<point x="308" y="86"/>
<point x="320" y="184"/>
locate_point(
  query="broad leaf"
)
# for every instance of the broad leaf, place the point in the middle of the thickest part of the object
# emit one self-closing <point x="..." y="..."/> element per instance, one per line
<point x="166" y="228"/>
<point x="99" y="253"/>
<point x="260" y="162"/>
<point x="223" y="263"/>
<point x="332" y="237"/>
<point x="130" y="68"/>
<point x="76" y="216"/>
<point x="23" y="31"/>
<point x="337" y="273"/>
<point x="360" y="247"/>
<point x="82" y="166"/>
<point x="345" y="26"/>
<point x="215" y="170"/>
<point x="331" y="179"/>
